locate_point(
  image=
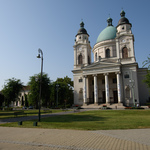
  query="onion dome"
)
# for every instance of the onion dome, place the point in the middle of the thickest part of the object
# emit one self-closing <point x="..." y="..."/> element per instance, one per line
<point x="82" y="30"/>
<point x="123" y="19"/>
<point x="108" y="33"/>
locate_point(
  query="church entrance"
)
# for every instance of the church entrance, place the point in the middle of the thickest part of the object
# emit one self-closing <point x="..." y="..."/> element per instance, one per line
<point x="104" y="97"/>
<point x="115" y="93"/>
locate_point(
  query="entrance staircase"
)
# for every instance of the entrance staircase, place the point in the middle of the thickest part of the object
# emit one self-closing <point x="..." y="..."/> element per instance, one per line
<point x="96" y="106"/>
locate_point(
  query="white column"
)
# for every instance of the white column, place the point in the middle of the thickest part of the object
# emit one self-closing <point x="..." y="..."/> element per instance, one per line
<point x="84" y="90"/>
<point x="107" y="87"/>
<point x="95" y="90"/>
<point x="117" y="49"/>
<point x="75" y="57"/>
<point x="86" y="57"/>
<point x="118" y="87"/>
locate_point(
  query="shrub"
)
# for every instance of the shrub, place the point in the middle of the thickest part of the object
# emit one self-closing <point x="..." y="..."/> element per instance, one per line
<point x="8" y="108"/>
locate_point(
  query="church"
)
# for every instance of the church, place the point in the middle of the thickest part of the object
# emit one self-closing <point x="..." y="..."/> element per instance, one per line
<point x="114" y="77"/>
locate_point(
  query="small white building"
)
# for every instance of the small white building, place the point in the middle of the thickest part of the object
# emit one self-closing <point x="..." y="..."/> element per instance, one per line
<point x="114" y="76"/>
<point x="20" y="101"/>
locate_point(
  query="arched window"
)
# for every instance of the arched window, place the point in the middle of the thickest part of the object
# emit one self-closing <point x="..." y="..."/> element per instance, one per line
<point x="124" y="52"/>
<point x="107" y="53"/>
<point x="95" y="56"/>
<point x="80" y="59"/>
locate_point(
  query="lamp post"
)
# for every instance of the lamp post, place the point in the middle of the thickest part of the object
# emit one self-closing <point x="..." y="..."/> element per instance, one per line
<point x="40" y="56"/>
<point x="132" y="87"/>
<point x="57" y="86"/>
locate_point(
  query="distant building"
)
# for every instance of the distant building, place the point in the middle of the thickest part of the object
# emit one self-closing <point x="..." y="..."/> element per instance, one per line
<point x="20" y="101"/>
<point x="114" y="76"/>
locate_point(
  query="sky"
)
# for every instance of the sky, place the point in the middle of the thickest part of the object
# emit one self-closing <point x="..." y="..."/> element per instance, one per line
<point x="51" y="25"/>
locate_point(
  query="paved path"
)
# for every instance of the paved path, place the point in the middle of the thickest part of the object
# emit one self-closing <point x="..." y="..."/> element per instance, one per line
<point x="56" y="139"/>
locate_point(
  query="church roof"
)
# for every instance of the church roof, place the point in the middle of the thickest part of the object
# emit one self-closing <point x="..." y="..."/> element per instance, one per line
<point x="82" y="30"/>
<point x="123" y="19"/>
<point x="108" y="33"/>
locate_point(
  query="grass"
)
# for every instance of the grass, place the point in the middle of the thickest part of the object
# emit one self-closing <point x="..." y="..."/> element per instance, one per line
<point x="10" y="114"/>
<point x="94" y="120"/>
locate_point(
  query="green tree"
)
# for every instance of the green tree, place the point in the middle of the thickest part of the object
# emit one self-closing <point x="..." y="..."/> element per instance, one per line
<point x="34" y="84"/>
<point x="147" y="62"/>
<point x="1" y="99"/>
<point x="147" y="77"/>
<point x="64" y="91"/>
<point x="26" y="100"/>
<point x="11" y="90"/>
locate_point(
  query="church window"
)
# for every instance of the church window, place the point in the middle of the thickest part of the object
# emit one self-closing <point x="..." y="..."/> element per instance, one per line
<point x="80" y="59"/>
<point x="124" y="52"/>
<point x="80" y="80"/>
<point x="96" y="57"/>
<point x="114" y="80"/>
<point x="107" y="52"/>
<point x="103" y="81"/>
<point x="126" y="76"/>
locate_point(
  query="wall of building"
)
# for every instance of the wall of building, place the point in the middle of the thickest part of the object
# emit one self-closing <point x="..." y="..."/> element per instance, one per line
<point x="144" y="91"/>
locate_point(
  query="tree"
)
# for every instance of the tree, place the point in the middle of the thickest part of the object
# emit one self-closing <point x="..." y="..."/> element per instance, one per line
<point x="147" y="77"/>
<point x="64" y="87"/>
<point x="147" y="63"/>
<point x="11" y="90"/>
<point x="1" y="99"/>
<point x="34" y="84"/>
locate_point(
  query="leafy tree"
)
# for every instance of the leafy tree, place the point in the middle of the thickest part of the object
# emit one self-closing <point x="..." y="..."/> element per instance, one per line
<point x="26" y="101"/>
<point x="147" y="63"/>
<point x="64" y="87"/>
<point x="34" y="84"/>
<point x="147" y="77"/>
<point x="11" y="90"/>
<point x="1" y="99"/>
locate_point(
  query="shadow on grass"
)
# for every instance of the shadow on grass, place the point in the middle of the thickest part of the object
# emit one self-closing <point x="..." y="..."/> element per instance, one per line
<point x="73" y="118"/>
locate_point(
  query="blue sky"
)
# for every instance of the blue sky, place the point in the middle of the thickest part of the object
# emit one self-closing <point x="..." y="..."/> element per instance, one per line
<point x="26" y="25"/>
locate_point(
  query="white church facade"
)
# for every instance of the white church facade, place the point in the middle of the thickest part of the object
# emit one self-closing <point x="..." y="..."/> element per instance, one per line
<point x="114" y="77"/>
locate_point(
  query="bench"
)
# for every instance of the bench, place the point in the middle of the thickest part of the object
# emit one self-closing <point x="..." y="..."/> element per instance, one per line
<point x="76" y="109"/>
<point x="16" y="113"/>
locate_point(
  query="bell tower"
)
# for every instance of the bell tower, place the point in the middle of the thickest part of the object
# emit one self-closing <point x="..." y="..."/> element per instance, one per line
<point x="125" y="39"/>
<point x="82" y="48"/>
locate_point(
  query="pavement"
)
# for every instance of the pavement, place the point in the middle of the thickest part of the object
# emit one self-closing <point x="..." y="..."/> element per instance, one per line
<point x="59" y="139"/>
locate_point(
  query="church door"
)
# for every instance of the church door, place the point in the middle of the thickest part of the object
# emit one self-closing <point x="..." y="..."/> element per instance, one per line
<point x="104" y="96"/>
<point x="115" y="96"/>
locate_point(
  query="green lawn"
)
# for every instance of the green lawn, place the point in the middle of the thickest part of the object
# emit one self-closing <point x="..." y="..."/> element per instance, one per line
<point x="10" y="114"/>
<point x="94" y="120"/>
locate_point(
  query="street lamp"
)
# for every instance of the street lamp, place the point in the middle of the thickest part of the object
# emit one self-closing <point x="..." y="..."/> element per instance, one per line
<point x="40" y="56"/>
<point x="57" y="86"/>
<point x="132" y="87"/>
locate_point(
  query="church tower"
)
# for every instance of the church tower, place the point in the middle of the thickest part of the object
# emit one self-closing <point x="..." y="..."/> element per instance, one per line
<point x="125" y="40"/>
<point x="82" y="48"/>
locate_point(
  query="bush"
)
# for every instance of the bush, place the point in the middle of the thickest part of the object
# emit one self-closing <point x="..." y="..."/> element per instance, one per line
<point x="8" y="108"/>
<point x="134" y="108"/>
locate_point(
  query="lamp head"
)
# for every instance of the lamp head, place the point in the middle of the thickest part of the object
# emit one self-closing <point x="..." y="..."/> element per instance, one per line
<point x="38" y="56"/>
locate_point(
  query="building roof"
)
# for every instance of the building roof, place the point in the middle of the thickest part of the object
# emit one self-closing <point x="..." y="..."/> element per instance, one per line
<point x="108" y="33"/>
<point x="82" y="30"/>
<point x="123" y="19"/>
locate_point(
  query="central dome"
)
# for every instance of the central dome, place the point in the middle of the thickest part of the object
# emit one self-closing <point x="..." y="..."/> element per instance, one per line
<point x="108" y="33"/>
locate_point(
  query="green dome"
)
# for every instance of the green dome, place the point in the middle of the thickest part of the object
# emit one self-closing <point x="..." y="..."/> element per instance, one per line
<point x="107" y="34"/>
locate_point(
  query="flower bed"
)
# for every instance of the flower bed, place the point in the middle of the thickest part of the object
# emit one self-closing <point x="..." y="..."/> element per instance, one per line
<point x="134" y="108"/>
